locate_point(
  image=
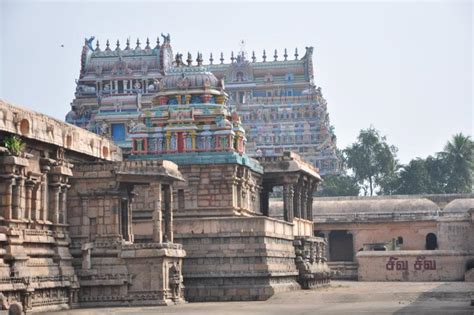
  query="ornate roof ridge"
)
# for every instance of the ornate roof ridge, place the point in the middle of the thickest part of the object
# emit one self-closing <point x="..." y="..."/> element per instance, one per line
<point x="241" y="58"/>
<point x="127" y="51"/>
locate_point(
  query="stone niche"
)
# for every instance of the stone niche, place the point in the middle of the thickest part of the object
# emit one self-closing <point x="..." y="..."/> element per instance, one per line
<point x="113" y="269"/>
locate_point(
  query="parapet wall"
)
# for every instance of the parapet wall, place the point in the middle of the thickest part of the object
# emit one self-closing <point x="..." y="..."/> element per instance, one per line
<point x="36" y="126"/>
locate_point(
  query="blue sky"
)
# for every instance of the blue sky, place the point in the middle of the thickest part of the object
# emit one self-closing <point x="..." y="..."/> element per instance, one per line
<point x="403" y="67"/>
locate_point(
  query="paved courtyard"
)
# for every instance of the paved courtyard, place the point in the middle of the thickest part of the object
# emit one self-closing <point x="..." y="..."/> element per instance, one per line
<point x="343" y="297"/>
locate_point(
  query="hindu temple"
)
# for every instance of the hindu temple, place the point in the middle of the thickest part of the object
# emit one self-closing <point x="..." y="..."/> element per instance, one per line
<point x="280" y="107"/>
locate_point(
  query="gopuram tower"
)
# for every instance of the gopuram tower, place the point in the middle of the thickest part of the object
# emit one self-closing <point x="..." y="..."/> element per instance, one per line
<point x="280" y="106"/>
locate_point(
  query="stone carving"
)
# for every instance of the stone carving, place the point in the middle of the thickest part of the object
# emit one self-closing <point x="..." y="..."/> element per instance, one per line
<point x="312" y="267"/>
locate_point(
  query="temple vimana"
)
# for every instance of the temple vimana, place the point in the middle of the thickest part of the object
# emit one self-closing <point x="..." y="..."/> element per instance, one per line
<point x="158" y="189"/>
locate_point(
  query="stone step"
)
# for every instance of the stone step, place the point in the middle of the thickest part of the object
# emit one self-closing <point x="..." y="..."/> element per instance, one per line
<point x="343" y="269"/>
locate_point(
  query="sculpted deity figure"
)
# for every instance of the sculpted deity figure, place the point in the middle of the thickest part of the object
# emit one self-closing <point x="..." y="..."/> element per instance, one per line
<point x="166" y="38"/>
<point x="173" y="143"/>
<point x="213" y="143"/>
<point x="223" y="142"/>
<point x="175" y="280"/>
<point x="200" y="142"/>
<point x="103" y="128"/>
<point x="160" y="144"/>
<point x="132" y="125"/>
<point x="189" y="143"/>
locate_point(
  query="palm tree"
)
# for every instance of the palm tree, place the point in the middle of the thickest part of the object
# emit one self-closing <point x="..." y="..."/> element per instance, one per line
<point x="459" y="155"/>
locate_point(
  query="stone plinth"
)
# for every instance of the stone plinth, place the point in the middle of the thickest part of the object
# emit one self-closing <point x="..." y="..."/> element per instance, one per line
<point x="232" y="259"/>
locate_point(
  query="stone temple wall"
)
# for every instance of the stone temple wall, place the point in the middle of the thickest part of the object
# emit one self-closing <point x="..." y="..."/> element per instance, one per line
<point x="46" y="188"/>
<point x="36" y="271"/>
<point x="208" y="191"/>
<point x="50" y="131"/>
<point x="218" y="190"/>
<point x="112" y="269"/>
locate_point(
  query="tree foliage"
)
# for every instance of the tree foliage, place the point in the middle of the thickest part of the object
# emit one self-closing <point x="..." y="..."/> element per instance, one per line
<point x="372" y="160"/>
<point x="339" y="185"/>
<point x="373" y="167"/>
<point x="450" y="171"/>
<point x="458" y="155"/>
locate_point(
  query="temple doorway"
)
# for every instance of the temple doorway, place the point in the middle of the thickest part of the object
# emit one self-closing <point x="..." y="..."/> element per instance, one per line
<point x="341" y="246"/>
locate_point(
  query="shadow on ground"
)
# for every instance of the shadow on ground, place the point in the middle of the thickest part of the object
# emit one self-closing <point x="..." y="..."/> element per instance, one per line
<point x="445" y="297"/>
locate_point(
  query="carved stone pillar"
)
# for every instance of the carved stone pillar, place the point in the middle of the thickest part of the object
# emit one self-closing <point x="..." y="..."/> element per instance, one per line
<point x="297" y="200"/>
<point x="54" y="203"/>
<point x="168" y="197"/>
<point x="45" y="168"/>
<point x="29" y="185"/>
<point x="35" y="198"/>
<point x="288" y="210"/>
<point x="8" y="198"/>
<point x="17" y="208"/>
<point x="239" y="194"/>
<point x="63" y="205"/>
<point x="157" y="215"/>
<point x="44" y="198"/>
<point x="309" y="205"/>
<point x="304" y="196"/>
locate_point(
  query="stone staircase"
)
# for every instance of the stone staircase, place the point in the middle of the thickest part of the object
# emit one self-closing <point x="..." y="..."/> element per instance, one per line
<point x="343" y="270"/>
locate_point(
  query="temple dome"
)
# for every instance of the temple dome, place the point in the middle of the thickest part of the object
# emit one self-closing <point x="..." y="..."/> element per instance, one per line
<point x="71" y="115"/>
<point x="186" y="78"/>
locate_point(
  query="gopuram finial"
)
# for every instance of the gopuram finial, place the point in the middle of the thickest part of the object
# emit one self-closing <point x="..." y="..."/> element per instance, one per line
<point x="97" y="46"/>
<point x="211" y="60"/>
<point x="253" y="56"/>
<point x="275" y="56"/>
<point x="285" y="55"/>
<point x="118" y="45"/>
<point x="232" y="57"/>
<point x="157" y="42"/>
<point x="138" y="44"/>
<point x="264" y="56"/>
<point x="179" y="60"/>
<point x="127" y="44"/>
<point x="199" y="59"/>
<point x="296" y="53"/>
<point x="222" y="58"/>
<point x="147" y="43"/>
<point x="107" y="45"/>
<point x="88" y="42"/>
<point x="190" y="59"/>
<point x="166" y="38"/>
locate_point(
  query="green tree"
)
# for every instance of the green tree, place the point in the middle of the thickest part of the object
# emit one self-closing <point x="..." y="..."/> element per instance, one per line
<point x="459" y="155"/>
<point x="339" y="185"/>
<point x="438" y="170"/>
<point x="371" y="159"/>
<point x="414" y="178"/>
